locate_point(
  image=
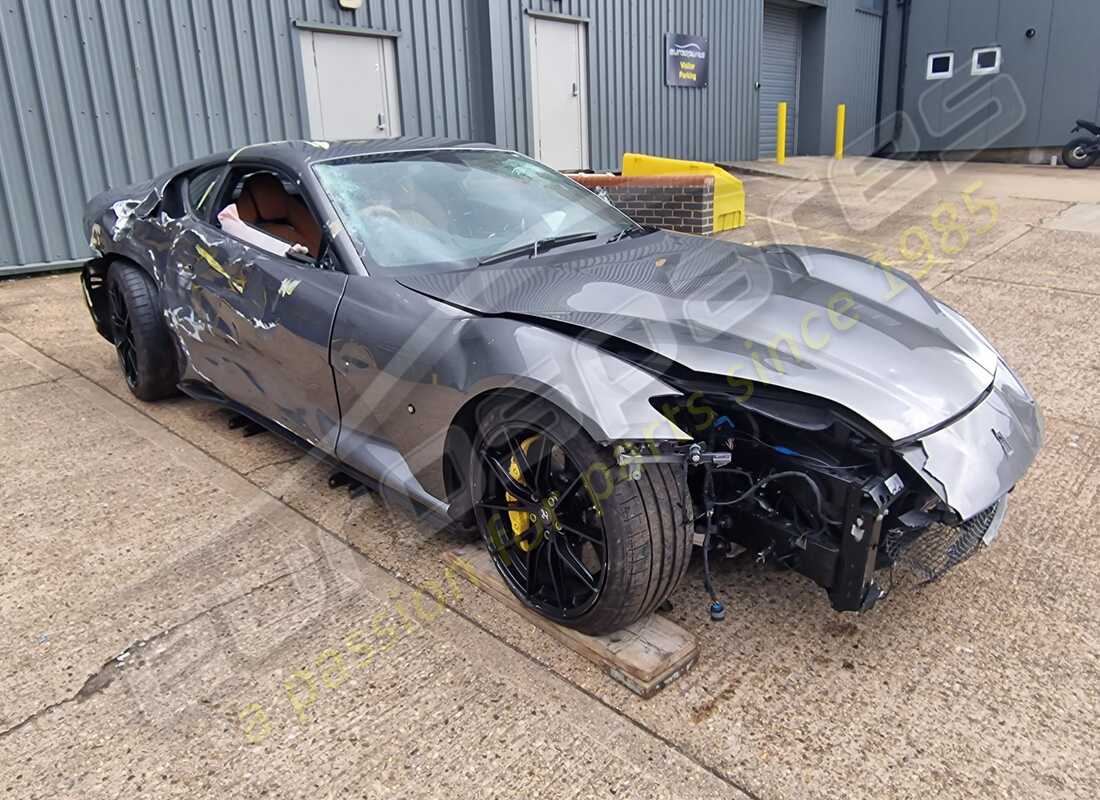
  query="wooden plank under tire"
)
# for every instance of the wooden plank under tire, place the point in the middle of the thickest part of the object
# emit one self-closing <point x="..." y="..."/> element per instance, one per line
<point x="644" y="657"/>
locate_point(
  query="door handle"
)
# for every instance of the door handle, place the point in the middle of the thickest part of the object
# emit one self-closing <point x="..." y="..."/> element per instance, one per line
<point x="381" y="121"/>
<point x="575" y="92"/>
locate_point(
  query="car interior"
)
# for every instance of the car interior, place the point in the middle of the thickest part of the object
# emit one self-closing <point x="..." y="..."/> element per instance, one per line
<point x="263" y="202"/>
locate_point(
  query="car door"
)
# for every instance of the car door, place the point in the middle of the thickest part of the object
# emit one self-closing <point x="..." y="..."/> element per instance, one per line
<point x="390" y="346"/>
<point x="262" y="324"/>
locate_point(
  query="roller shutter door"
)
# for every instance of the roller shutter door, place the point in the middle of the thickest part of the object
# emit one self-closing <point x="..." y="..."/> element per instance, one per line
<point x="779" y="64"/>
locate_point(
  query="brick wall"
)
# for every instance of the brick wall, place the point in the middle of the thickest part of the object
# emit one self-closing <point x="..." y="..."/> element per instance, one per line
<point x="678" y="202"/>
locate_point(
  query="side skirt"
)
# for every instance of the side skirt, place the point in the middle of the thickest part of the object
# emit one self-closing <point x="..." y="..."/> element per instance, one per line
<point x="420" y="506"/>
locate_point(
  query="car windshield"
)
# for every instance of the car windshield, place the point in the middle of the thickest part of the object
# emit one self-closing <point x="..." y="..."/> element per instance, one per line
<point x="448" y="209"/>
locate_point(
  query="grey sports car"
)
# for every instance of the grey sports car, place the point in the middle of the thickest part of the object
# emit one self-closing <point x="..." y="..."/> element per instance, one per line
<point x="458" y="325"/>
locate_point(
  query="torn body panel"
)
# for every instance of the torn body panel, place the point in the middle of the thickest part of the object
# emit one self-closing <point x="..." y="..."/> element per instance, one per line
<point x="263" y="344"/>
<point x="978" y="458"/>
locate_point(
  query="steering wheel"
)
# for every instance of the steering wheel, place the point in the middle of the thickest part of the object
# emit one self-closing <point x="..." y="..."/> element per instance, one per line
<point x="381" y="211"/>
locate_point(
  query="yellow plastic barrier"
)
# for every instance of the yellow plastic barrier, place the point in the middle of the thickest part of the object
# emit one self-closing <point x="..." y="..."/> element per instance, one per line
<point x="729" y="192"/>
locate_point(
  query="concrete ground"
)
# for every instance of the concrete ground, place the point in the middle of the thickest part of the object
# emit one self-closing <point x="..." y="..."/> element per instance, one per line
<point x="192" y="613"/>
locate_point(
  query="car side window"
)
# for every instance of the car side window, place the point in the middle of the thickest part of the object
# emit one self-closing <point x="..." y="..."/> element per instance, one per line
<point x="200" y="190"/>
<point x="263" y="210"/>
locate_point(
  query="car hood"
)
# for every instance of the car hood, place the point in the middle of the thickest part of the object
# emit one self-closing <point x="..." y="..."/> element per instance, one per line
<point x="816" y="321"/>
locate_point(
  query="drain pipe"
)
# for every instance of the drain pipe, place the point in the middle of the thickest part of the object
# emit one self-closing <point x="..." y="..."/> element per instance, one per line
<point x="903" y="50"/>
<point x="884" y="28"/>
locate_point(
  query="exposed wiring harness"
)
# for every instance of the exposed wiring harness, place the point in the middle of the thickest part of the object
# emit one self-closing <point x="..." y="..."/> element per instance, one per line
<point x="717" y="610"/>
<point x="774" y="476"/>
<point x="787" y="451"/>
<point x="708" y="502"/>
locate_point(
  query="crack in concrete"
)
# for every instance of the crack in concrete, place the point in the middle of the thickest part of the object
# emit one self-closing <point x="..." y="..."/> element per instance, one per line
<point x="1024" y="285"/>
<point x="1066" y="206"/>
<point x="27" y="385"/>
<point x="1028" y="229"/>
<point x="103" y="677"/>
<point x="280" y="462"/>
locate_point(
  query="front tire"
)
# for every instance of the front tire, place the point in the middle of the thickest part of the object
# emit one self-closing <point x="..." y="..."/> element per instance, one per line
<point x="571" y="535"/>
<point x="142" y="341"/>
<point x="1074" y="154"/>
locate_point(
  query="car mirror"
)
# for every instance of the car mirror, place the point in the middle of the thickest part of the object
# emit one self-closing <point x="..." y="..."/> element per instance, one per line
<point x="328" y="259"/>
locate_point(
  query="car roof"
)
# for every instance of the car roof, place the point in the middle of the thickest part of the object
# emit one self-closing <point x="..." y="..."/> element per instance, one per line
<point x="303" y="152"/>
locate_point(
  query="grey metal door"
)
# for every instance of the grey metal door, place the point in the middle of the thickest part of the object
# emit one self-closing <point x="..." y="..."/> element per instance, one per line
<point x="779" y="68"/>
<point x="558" y="93"/>
<point x="351" y="85"/>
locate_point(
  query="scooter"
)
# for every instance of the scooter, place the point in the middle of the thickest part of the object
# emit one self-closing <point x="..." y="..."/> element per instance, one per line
<point x="1082" y="151"/>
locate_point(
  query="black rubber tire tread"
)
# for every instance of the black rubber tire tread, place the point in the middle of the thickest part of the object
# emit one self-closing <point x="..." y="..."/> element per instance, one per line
<point x="1075" y="163"/>
<point x="647" y="525"/>
<point x="659" y="539"/>
<point x="157" y="371"/>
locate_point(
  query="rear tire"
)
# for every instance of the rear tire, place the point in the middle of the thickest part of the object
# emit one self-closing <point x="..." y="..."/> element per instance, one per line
<point x="642" y="527"/>
<point x="1074" y="155"/>
<point x="144" y="345"/>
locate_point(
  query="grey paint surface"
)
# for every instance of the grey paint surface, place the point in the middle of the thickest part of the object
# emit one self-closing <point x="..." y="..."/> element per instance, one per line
<point x="385" y="373"/>
<point x="559" y="89"/>
<point x="350" y="85"/>
<point x="1045" y="82"/>
<point x="242" y="335"/>
<point x="718" y="308"/>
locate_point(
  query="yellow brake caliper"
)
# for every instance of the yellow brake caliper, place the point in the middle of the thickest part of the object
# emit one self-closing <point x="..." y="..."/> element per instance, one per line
<point x="520" y="520"/>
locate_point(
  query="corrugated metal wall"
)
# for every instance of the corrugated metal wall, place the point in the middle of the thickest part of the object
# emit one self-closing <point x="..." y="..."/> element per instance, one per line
<point x="96" y="94"/>
<point x="631" y="108"/>
<point x="860" y="79"/>
<point x="840" y="55"/>
<point x="1046" y="81"/>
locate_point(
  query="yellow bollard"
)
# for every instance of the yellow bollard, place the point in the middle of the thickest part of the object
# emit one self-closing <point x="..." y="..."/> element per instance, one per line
<point x="781" y="134"/>
<point x="839" y="131"/>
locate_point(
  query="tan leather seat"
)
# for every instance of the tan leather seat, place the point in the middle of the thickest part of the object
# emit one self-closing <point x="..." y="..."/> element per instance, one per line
<point x="265" y="204"/>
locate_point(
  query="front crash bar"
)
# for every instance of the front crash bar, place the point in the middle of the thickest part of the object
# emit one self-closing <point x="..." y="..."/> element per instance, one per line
<point x="853" y="587"/>
<point x="693" y="455"/>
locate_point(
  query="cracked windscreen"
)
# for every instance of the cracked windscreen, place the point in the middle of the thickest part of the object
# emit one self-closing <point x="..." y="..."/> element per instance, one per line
<point x="448" y="209"/>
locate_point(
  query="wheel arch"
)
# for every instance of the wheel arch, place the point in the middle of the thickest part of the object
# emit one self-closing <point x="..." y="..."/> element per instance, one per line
<point x="460" y="434"/>
<point x="93" y="280"/>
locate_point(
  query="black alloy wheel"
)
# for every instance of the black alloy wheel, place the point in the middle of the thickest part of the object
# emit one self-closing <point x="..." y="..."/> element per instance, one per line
<point x="125" y="346"/>
<point x="143" y="344"/>
<point x="541" y="520"/>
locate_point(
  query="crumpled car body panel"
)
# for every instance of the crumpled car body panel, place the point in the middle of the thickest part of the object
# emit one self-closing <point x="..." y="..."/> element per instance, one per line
<point x="980" y="456"/>
<point x="814" y="321"/>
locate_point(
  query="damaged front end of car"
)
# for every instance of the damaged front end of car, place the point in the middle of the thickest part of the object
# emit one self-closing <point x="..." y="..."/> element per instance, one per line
<point x="802" y="483"/>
